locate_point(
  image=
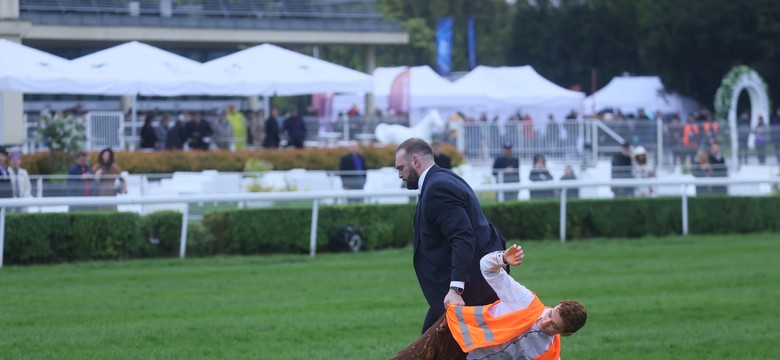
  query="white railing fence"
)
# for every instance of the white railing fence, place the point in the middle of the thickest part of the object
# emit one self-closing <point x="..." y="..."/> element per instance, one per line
<point x="318" y="196"/>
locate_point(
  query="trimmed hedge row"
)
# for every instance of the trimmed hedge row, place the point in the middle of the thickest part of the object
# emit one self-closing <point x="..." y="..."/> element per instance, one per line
<point x="58" y="237"/>
<point x="165" y="162"/>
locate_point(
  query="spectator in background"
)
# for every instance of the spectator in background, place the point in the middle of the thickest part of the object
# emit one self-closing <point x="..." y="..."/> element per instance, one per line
<point x="553" y="136"/>
<point x="20" y="180"/>
<point x="5" y="185"/>
<point x="107" y="174"/>
<point x="238" y="123"/>
<point x="540" y="173"/>
<point x="271" y="140"/>
<point x="673" y="139"/>
<point x="506" y="168"/>
<point x="353" y="166"/>
<point x="439" y="157"/>
<point x="642" y="169"/>
<point x="701" y="169"/>
<point x="148" y="136"/>
<point x="621" y="169"/>
<point x="174" y="139"/>
<point x="761" y="140"/>
<point x="198" y="132"/>
<point x="295" y="129"/>
<point x="257" y="127"/>
<point x="161" y="132"/>
<point x="774" y="133"/>
<point x="223" y="132"/>
<point x="568" y="174"/>
<point x="743" y="134"/>
<point x="718" y="165"/>
<point x="79" y="176"/>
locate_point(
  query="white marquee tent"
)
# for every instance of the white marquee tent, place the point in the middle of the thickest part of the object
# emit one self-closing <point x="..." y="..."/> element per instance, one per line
<point x="270" y="70"/>
<point x="142" y="69"/>
<point x="630" y="93"/>
<point x="28" y="70"/>
<point x="427" y="91"/>
<point x="522" y="89"/>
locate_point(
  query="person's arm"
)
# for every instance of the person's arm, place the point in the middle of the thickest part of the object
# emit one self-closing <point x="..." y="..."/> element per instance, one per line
<point x="506" y="287"/>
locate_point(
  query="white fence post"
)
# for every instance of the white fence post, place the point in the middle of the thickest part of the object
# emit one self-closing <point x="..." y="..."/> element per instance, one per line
<point x="684" y="209"/>
<point x="2" y="234"/>
<point x="185" y="218"/>
<point x="313" y="235"/>
<point x="563" y="215"/>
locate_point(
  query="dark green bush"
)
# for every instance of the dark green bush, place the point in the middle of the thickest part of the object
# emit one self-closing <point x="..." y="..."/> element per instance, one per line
<point x="57" y="237"/>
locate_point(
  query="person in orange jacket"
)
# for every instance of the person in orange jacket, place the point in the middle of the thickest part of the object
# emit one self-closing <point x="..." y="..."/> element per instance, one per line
<point x="518" y="326"/>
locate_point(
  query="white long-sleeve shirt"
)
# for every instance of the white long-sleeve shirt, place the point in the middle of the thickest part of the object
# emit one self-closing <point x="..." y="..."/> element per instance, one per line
<point x="514" y="297"/>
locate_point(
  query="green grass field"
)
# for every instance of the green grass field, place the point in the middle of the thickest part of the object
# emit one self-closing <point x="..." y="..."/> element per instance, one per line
<point x="713" y="297"/>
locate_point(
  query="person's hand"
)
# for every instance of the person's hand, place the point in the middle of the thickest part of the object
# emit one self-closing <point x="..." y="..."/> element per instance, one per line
<point x="514" y="255"/>
<point x="99" y="172"/>
<point x="453" y="298"/>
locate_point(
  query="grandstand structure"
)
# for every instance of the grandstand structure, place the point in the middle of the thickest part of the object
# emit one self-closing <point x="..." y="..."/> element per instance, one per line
<point x="199" y="29"/>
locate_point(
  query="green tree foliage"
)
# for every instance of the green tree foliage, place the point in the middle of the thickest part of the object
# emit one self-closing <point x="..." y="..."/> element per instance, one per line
<point x="690" y="44"/>
<point x="492" y="25"/>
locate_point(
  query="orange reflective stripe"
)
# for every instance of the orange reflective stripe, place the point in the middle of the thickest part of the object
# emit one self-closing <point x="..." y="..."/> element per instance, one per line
<point x="553" y="352"/>
<point x="473" y="327"/>
<point x="687" y="139"/>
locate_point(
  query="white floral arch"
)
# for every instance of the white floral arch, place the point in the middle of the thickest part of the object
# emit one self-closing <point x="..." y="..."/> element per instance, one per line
<point x="726" y="98"/>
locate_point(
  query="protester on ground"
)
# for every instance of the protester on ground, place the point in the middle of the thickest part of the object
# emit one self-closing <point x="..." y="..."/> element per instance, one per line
<point x="451" y="232"/>
<point x="518" y="326"/>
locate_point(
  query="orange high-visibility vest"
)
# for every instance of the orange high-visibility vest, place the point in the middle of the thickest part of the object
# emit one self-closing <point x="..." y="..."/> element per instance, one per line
<point x="714" y="128"/>
<point x="690" y="130"/>
<point x="473" y="327"/>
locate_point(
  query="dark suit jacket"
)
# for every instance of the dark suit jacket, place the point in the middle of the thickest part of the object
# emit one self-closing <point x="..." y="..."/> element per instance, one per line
<point x="443" y="161"/>
<point x="451" y="234"/>
<point x="352" y="181"/>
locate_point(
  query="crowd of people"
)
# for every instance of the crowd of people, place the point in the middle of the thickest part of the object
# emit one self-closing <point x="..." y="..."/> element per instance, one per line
<point x="230" y="129"/>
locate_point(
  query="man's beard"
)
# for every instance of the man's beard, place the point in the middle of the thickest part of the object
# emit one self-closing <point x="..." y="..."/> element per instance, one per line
<point x="412" y="181"/>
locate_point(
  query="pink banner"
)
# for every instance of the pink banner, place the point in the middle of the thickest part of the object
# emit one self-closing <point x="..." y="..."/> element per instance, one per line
<point x="400" y="97"/>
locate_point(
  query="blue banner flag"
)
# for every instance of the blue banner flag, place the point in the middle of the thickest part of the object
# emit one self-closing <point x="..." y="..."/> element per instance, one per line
<point x="472" y="38"/>
<point x="444" y="46"/>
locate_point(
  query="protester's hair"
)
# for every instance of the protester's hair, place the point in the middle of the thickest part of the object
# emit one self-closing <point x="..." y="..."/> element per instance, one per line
<point x="415" y="146"/>
<point x="573" y="315"/>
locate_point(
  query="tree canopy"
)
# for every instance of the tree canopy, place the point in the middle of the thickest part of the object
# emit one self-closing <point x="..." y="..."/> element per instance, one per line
<point x="690" y="44"/>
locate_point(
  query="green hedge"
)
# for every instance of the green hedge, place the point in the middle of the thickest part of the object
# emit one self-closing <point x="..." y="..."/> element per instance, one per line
<point x="58" y="237"/>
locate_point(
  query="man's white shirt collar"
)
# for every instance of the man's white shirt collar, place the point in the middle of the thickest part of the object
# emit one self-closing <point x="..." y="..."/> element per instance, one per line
<point x="422" y="179"/>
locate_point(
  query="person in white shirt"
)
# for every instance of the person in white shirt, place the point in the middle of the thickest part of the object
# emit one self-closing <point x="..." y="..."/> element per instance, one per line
<point x="518" y="326"/>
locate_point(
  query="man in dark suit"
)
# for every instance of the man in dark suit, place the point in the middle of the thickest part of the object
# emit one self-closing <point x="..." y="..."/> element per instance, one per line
<point x="271" y="140"/>
<point x="451" y="234"/>
<point x="353" y="166"/>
